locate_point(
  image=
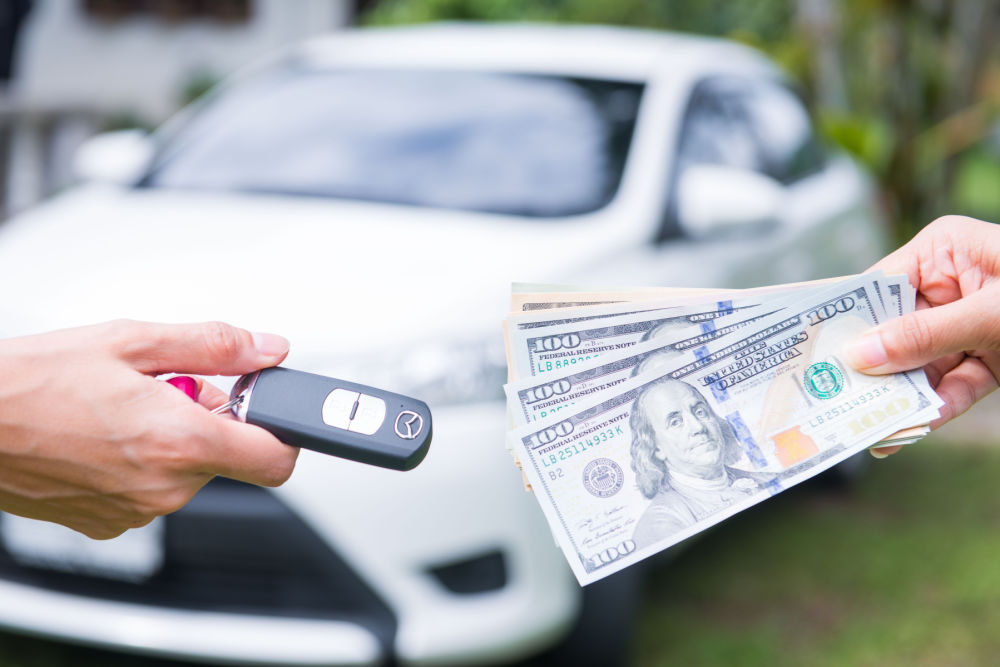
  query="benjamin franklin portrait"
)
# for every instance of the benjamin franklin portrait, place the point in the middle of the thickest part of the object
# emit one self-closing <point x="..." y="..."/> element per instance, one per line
<point x="681" y="454"/>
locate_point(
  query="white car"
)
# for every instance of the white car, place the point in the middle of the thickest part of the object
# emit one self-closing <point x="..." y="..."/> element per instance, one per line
<point x="372" y="195"/>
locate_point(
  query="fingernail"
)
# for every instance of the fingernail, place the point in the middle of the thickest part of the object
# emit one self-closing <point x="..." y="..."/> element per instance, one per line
<point x="186" y="384"/>
<point x="866" y="352"/>
<point x="270" y="345"/>
<point x="877" y="454"/>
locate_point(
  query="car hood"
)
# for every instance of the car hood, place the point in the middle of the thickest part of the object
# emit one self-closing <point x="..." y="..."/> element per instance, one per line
<point x="330" y="275"/>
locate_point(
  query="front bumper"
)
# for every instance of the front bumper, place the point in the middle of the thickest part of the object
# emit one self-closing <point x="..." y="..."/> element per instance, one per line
<point x="185" y="634"/>
<point x="243" y="580"/>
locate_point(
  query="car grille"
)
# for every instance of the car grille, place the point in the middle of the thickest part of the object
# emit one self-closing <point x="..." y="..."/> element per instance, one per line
<point x="235" y="548"/>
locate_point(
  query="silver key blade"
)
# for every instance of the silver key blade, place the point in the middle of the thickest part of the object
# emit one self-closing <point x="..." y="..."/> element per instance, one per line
<point x="228" y="405"/>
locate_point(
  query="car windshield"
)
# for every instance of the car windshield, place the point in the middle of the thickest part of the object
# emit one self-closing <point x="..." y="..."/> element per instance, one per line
<point x="543" y="146"/>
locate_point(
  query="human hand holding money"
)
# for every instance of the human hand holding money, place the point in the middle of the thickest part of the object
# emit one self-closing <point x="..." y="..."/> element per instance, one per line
<point x="639" y="424"/>
<point x="954" y="264"/>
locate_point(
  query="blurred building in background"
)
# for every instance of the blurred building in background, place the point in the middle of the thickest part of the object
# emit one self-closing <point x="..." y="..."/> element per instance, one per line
<point x="70" y="68"/>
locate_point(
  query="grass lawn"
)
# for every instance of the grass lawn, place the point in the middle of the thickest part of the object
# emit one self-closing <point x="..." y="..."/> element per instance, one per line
<point x="902" y="570"/>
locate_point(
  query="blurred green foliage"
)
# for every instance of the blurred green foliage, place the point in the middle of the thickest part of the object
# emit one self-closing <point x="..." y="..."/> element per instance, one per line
<point x="125" y="120"/>
<point x="763" y="19"/>
<point x="909" y="87"/>
<point x="901" y="571"/>
<point x="197" y="85"/>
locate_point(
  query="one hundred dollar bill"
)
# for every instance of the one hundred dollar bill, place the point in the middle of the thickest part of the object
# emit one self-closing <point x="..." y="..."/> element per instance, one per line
<point x="537" y="351"/>
<point x="528" y="297"/>
<point x="673" y="450"/>
<point x="546" y="341"/>
<point x="538" y="397"/>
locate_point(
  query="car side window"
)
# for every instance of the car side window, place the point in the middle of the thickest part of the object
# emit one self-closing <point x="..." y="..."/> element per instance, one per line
<point x="788" y="144"/>
<point x="751" y="124"/>
<point x="747" y="123"/>
<point x="716" y="131"/>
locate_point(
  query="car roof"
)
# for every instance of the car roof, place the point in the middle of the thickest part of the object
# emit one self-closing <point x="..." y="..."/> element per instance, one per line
<point x="582" y="50"/>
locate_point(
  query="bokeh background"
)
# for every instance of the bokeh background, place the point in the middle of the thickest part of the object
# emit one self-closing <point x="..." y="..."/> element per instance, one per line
<point x="900" y="568"/>
<point x="909" y="87"/>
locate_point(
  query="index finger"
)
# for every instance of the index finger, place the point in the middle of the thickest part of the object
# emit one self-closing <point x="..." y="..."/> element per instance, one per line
<point x="205" y="348"/>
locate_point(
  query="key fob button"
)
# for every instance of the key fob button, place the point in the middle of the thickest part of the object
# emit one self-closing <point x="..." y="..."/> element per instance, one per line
<point x="338" y="406"/>
<point x="369" y="415"/>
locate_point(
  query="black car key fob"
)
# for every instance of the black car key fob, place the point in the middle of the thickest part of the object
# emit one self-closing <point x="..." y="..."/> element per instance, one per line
<point x="345" y="419"/>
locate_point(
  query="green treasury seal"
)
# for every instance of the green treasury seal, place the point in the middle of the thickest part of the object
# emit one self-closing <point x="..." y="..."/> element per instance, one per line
<point x="823" y="380"/>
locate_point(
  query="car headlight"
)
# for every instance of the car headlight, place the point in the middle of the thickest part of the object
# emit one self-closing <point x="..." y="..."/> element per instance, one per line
<point x="438" y="372"/>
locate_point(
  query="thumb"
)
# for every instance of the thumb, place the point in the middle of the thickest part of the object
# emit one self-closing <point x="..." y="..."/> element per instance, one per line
<point x="918" y="338"/>
<point x="210" y="348"/>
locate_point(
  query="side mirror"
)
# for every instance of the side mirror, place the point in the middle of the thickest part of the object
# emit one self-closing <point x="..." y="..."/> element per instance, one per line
<point x="714" y="200"/>
<point x="120" y="157"/>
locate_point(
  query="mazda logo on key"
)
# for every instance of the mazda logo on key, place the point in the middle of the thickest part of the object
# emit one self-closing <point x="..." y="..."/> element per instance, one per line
<point x="408" y="425"/>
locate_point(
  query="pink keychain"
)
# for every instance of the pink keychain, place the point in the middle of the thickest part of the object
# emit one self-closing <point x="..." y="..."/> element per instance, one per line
<point x="186" y="384"/>
<point x="190" y="387"/>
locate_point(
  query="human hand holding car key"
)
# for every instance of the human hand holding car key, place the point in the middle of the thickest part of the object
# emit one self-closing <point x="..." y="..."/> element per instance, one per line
<point x="336" y="417"/>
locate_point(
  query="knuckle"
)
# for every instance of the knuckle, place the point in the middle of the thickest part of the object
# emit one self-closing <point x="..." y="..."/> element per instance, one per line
<point x="916" y="338"/>
<point x="101" y="531"/>
<point x="168" y="447"/>
<point x="951" y="222"/>
<point x="991" y="334"/>
<point x="124" y="333"/>
<point x="945" y="220"/>
<point x="958" y="397"/>
<point x="969" y="397"/>
<point x="173" y="500"/>
<point x="180" y="453"/>
<point x="173" y="455"/>
<point x="222" y="340"/>
<point x="121" y="326"/>
<point x="132" y="339"/>
<point x="993" y="366"/>
<point x="139" y="520"/>
<point x="150" y="505"/>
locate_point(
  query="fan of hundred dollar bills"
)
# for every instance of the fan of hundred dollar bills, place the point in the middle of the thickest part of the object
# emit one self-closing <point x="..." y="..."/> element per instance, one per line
<point x="641" y="418"/>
